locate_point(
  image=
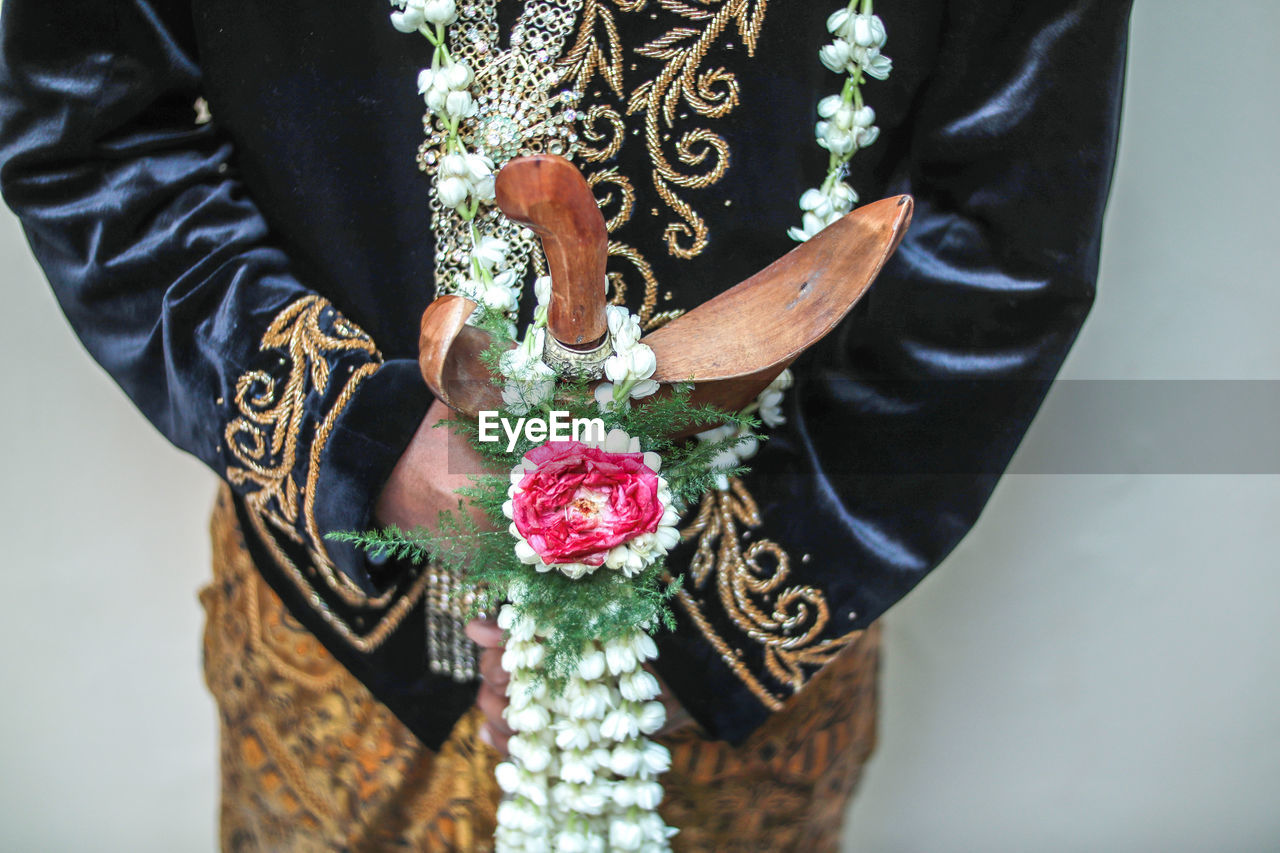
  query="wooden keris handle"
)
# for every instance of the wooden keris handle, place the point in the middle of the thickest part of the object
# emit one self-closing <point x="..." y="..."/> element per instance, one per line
<point x="550" y="196"/>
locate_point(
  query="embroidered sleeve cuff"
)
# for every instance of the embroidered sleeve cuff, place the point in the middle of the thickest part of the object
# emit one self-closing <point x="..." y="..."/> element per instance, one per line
<point x="368" y="438"/>
<point x="753" y="625"/>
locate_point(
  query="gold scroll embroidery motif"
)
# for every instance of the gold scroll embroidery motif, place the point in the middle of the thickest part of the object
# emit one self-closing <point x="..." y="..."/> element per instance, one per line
<point x="268" y="436"/>
<point x="617" y="199"/>
<point x="690" y="159"/>
<point x="789" y="620"/>
<point x="697" y="157"/>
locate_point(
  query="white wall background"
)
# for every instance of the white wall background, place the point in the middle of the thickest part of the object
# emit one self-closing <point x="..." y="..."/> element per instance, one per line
<point x="1094" y="669"/>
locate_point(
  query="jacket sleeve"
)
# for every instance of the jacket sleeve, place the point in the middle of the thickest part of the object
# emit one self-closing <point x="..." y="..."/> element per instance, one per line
<point x="901" y="422"/>
<point x="168" y="274"/>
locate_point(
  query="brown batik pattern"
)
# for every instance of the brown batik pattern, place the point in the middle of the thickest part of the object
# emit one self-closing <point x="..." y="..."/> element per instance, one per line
<point x="311" y="761"/>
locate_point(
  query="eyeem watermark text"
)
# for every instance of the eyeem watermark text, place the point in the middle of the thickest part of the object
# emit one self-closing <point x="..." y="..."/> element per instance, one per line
<point x="559" y="427"/>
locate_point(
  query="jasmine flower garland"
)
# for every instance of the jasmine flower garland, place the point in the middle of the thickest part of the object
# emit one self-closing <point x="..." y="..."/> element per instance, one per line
<point x="575" y="572"/>
<point x="574" y="569"/>
<point x="583" y="773"/>
<point x="846" y="123"/>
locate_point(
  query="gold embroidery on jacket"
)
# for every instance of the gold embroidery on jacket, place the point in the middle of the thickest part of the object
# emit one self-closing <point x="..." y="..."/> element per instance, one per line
<point x="626" y="197"/>
<point x="267" y="437"/>
<point x="751" y="585"/>
<point x="688" y="159"/>
<point x="623" y="197"/>
<point x="691" y="159"/>
<point x="603" y="127"/>
<point x="597" y="49"/>
<point x="617" y="280"/>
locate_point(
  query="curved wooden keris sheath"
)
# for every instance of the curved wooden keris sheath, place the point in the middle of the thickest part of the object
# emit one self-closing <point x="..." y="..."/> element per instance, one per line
<point x="730" y="347"/>
<point x="449" y="355"/>
<point x="736" y="343"/>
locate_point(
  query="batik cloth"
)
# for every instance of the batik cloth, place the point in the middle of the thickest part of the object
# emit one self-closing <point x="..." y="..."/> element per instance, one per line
<point x="311" y="761"/>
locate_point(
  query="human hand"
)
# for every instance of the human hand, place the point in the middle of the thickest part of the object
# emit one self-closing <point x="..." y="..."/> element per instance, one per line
<point x="425" y="481"/>
<point x="492" y="696"/>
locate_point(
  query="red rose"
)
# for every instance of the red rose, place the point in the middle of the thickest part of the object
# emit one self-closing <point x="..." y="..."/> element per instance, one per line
<point x="580" y="502"/>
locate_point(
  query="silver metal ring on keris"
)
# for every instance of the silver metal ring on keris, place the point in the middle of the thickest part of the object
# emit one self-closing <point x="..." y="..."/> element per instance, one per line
<point x="574" y="363"/>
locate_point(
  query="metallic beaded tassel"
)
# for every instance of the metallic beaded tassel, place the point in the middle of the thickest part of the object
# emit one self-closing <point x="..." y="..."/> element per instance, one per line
<point x="449" y="650"/>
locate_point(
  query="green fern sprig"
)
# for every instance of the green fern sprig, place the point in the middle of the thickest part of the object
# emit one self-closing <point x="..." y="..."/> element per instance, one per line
<point x="604" y="604"/>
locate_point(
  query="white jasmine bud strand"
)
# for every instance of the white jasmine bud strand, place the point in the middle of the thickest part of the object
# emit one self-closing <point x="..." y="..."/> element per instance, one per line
<point x="668" y="537"/>
<point x="459" y="104"/>
<point x="499" y="298"/>
<point x="458" y="75"/>
<point x="617" y="441"/>
<point x="453" y="166"/>
<point x="452" y="191"/>
<point x="648" y="794"/>
<point x="625" y="759"/>
<point x="531" y="718"/>
<point x="624" y="834"/>
<point x="837" y="23"/>
<point x="479" y="167"/>
<point x="619" y="657"/>
<point x="642" y="361"/>
<point x="656" y="757"/>
<point x="835" y="56"/>
<point x="435" y="98"/>
<point x="652" y="717"/>
<point x="483" y="189"/>
<point x="638" y="686"/>
<point x="443" y="12"/>
<point x="621" y="724"/>
<point x="526" y="554"/>
<point x="507" y="776"/>
<point x="867" y="31"/>
<point x="644" y="646"/>
<point x="408" y="21"/>
<point x="591" y="665"/>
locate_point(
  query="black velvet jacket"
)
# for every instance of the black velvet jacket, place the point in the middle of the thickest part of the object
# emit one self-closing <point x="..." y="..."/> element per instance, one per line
<point x="254" y="282"/>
